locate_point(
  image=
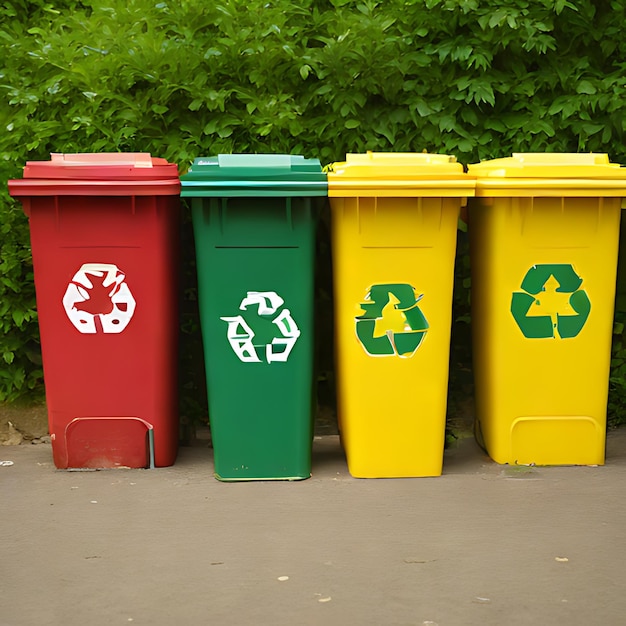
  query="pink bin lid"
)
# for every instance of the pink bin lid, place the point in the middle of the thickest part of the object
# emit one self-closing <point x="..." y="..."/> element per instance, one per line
<point x="107" y="174"/>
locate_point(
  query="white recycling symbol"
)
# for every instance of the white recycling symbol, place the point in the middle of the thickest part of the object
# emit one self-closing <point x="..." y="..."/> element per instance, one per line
<point x="241" y="336"/>
<point x="98" y="298"/>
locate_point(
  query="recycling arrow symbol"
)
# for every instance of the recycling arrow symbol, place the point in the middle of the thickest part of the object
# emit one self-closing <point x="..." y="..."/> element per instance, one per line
<point x="534" y="308"/>
<point x="392" y="322"/>
<point x="256" y="347"/>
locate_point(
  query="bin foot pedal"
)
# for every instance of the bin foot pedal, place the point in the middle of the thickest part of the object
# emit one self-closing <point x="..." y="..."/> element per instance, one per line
<point x="109" y="442"/>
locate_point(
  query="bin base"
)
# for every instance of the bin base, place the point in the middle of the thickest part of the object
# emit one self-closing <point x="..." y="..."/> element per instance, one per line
<point x="107" y="443"/>
<point x="413" y="462"/>
<point x="228" y="479"/>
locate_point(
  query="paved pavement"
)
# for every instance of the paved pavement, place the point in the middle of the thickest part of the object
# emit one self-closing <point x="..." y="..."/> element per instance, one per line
<point x="483" y="544"/>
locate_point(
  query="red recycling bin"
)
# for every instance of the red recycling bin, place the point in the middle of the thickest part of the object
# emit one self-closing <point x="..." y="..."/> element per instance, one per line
<point x="104" y="236"/>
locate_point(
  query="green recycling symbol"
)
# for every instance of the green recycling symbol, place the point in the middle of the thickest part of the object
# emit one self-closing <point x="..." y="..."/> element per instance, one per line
<point x="392" y="322"/>
<point x="552" y="304"/>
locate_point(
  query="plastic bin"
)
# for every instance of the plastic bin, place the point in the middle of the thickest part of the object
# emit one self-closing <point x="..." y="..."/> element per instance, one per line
<point x="254" y="226"/>
<point x="104" y="235"/>
<point x="394" y="226"/>
<point x="544" y="232"/>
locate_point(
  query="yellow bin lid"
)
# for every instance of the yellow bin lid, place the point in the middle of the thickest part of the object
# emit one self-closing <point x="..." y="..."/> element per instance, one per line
<point x="550" y="174"/>
<point x="399" y="174"/>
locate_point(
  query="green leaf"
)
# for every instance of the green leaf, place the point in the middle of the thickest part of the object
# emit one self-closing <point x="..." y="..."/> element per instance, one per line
<point x="584" y="86"/>
<point x="423" y="108"/>
<point x="225" y="132"/>
<point x="18" y="317"/>
<point x="497" y="17"/>
<point x="592" y="129"/>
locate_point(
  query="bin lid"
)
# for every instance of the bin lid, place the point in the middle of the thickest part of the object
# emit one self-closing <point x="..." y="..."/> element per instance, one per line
<point x="231" y="175"/>
<point x="550" y="174"/>
<point x="399" y="174"/>
<point x="123" y="173"/>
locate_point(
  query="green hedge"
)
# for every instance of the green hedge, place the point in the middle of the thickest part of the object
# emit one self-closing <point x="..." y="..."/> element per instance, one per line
<point x="477" y="79"/>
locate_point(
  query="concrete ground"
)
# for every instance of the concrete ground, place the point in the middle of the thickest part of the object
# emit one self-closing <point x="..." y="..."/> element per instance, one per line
<point x="481" y="545"/>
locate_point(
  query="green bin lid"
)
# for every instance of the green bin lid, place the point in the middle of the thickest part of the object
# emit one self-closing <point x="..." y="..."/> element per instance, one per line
<point x="254" y="175"/>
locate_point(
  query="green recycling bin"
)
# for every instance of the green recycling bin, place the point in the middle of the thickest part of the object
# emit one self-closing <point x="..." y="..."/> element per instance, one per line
<point x="254" y="221"/>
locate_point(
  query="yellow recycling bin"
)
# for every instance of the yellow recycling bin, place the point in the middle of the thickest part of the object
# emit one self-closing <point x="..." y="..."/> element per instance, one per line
<point x="394" y="225"/>
<point x="544" y="232"/>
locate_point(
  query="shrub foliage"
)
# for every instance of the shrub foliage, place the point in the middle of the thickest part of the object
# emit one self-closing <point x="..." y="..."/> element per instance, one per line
<point x="474" y="78"/>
